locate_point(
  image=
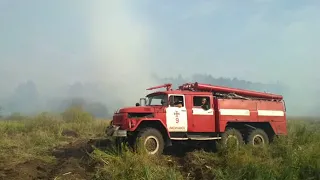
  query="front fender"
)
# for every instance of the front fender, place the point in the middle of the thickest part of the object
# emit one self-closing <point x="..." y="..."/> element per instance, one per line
<point x="141" y="123"/>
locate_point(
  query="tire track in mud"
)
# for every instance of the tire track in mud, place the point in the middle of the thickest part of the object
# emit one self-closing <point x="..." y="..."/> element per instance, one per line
<point x="73" y="161"/>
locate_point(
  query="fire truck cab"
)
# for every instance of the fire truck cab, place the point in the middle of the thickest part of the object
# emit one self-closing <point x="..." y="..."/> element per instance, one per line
<point x="200" y="112"/>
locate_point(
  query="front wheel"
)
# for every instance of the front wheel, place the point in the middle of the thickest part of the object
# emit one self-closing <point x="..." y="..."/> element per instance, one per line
<point x="151" y="140"/>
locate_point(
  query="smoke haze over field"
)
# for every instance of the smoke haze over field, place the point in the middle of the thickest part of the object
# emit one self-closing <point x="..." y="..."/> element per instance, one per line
<point x="107" y="51"/>
<point x="120" y="42"/>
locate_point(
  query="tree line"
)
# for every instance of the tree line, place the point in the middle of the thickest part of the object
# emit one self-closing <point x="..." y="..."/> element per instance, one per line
<point x="27" y="100"/>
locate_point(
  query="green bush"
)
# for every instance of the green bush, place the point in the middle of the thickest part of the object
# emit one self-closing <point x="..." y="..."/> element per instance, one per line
<point x="76" y="114"/>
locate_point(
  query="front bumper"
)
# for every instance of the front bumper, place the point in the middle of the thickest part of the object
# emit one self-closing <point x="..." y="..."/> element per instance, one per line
<point x="115" y="131"/>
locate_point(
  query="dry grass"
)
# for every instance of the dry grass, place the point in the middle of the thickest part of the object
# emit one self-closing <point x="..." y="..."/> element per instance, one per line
<point x="34" y="137"/>
<point x="294" y="157"/>
<point x="288" y="158"/>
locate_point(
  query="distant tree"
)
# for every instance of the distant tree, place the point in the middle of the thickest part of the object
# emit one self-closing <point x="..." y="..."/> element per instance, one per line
<point x="16" y="116"/>
<point x="78" y="102"/>
<point x="221" y="81"/>
<point x="61" y="105"/>
<point x="24" y="98"/>
<point x="77" y="114"/>
<point x="97" y="109"/>
<point x="76" y="90"/>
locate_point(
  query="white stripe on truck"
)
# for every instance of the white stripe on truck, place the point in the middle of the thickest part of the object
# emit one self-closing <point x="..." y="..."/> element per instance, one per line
<point x="270" y="113"/>
<point x="246" y="112"/>
<point x="200" y="111"/>
<point x="235" y="112"/>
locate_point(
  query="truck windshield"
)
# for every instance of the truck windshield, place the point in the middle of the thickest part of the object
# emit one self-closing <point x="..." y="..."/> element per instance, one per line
<point x="157" y="100"/>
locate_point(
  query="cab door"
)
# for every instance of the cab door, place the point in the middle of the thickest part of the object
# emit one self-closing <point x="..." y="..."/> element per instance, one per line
<point x="176" y="117"/>
<point x="202" y="120"/>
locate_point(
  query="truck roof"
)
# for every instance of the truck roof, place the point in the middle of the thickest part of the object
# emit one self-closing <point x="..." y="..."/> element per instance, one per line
<point x="219" y="91"/>
<point x="184" y="92"/>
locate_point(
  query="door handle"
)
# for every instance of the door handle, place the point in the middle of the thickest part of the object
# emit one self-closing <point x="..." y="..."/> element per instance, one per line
<point x="183" y="110"/>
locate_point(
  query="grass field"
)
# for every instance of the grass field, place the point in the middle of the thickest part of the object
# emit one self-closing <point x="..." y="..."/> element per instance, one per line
<point x="59" y="147"/>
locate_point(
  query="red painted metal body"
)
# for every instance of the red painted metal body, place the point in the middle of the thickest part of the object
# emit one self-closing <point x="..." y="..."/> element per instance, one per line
<point x="167" y="86"/>
<point x="228" y="90"/>
<point x="251" y="107"/>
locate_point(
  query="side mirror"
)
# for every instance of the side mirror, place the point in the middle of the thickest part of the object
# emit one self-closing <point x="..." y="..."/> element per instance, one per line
<point x="143" y="101"/>
<point x="137" y="104"/>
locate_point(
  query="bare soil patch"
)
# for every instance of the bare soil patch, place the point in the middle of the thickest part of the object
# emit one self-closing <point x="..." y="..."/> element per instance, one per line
<point x="72" y="162"/>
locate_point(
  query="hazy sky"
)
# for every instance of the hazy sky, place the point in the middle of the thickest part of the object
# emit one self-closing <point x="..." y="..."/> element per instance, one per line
<point x="62" y="41"/>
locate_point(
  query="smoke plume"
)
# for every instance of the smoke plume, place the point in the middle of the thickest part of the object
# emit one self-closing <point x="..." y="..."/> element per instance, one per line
<point x="119" y="43"/>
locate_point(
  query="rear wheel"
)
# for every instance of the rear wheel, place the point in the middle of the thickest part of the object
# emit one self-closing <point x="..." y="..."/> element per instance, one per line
<point x="151" y="141"/>
<point x="258" y="138"/>
<point x="231" y="137"/>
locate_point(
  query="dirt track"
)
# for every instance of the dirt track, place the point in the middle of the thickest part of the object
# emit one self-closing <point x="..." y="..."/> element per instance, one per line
<point x="73" y="162"/>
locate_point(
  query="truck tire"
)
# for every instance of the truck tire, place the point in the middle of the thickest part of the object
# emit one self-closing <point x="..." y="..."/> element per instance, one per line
<point x="232" y="134"/>
<point x="258" y="137"/>
<point x="152" y="141"/>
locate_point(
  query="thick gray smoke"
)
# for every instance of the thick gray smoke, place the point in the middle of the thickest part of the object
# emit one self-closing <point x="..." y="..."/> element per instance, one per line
<point x="120" y="46"/>
<point x="106" y="50"/>
<point x="104" y="45"/>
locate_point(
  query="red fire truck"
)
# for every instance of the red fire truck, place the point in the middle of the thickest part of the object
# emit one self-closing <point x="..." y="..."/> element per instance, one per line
<point x="200" y="112"/>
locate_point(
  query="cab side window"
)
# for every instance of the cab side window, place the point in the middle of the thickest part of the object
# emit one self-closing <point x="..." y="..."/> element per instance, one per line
<point x="201" y="102"/>
<point x="176" y="101"/>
